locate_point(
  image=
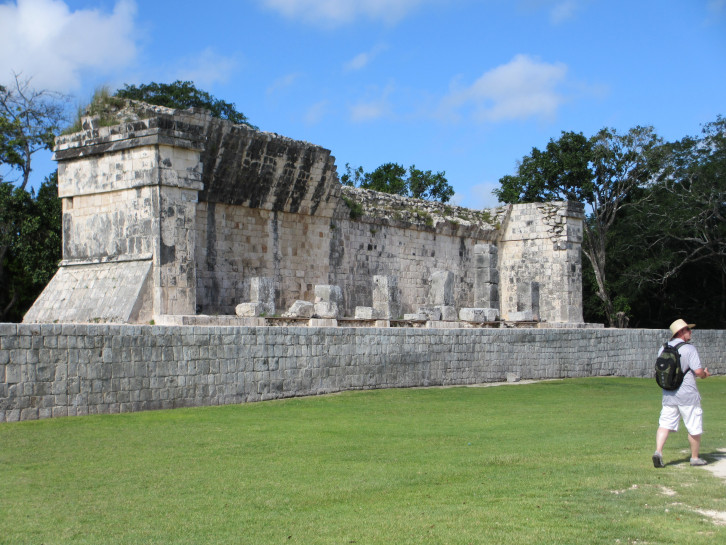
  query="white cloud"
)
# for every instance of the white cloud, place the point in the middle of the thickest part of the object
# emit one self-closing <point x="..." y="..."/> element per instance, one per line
<point x="283" y="83"/>
<point x="340" y="12"/>
<point x="372" y="109"/>
<point x="562" y="11"/>
<point x="205" y="69"/>
<point x="46" y="41"/>
<point x="521" y="89"/>
<point x="316" y="112"/>
<point x="362" y="60"/>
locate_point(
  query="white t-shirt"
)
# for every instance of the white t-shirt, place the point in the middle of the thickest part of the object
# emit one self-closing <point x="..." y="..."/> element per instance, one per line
<point x="688" y="393"/>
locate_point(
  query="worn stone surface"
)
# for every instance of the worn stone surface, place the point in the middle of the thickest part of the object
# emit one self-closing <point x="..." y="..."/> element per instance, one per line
<point x="325" y="309"/>
<point x="441" y="290"/>
<point x="366" y="313"/>
<point x="300" y="309"/>
<point x="386" y="296"/>
<point x="541" y="243"/>
<point x="448" y="313"/>
<point x="478" y="315"/>
<point x="53" y="370"/>
<point x="114" y="292"/>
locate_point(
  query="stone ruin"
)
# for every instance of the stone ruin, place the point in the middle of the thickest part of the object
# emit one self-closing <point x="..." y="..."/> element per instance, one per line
<point x="176" y="217"/>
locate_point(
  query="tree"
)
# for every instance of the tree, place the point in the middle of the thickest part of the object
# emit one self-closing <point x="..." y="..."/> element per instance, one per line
<point x="30" y="224"/>
<point x="29" y="121"/>
<point x="183" y="95"/>
<point x="429" y="186"/>
<point x="397" y="180"/>
<point x="604" y="172"/>
<point x="678" y="231"/>
<point x="561" y="172"/>
<point x="30" y="244"/>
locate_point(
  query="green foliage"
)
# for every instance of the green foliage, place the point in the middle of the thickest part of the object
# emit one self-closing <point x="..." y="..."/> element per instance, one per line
<point x="30" y="245"/>
<point x="670" y="257"/>
<point x="411" y="466"/>
<point x="101" y="106"/>
<point x="356" y="209"/>
<point x="183" y="95"/>
<point x="397" y="180"/>
<point x="561" y="172"/>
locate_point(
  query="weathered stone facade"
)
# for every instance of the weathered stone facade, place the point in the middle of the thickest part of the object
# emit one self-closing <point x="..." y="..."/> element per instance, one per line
<point x="57" y="370"/>
<point x="174" y="213"/>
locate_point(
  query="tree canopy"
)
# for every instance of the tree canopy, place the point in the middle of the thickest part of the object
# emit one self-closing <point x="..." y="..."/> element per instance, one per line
<point x="183" y="95"/>
<point x="29" y="121"/>
<point x="397" y="180"/>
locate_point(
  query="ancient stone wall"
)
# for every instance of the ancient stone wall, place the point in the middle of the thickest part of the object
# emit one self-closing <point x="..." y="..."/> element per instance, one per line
<point x="175" y="213"/>
<point x="55" y="370"/>
<point x="540" y="263"/>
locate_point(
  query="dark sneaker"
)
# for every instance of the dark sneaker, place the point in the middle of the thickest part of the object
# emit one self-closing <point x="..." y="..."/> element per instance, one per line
<point x="658" y="460"/>
<point x="698" y="462"/>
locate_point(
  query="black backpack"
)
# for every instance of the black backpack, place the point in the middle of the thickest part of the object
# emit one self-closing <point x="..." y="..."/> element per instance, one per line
<point x="668" y="372"/>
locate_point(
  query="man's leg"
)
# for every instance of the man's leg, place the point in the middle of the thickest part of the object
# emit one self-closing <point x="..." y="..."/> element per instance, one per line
<point x="695" y="441"/>
<point x="668" y="422"/>
<point x="660" y="439"/>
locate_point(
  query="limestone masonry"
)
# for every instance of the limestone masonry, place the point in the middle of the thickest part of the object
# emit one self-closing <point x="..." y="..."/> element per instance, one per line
<point x="56" y="370"/>
<point x="177" y="217"/>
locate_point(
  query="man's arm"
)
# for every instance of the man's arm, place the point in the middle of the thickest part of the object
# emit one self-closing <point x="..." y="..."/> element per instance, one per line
<point x="702" y="373"/>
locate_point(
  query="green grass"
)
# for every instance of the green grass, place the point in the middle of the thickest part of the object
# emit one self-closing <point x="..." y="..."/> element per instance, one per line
<point x="562" y="462"/>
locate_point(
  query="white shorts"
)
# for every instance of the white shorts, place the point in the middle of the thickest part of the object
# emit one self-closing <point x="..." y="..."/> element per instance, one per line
<point x="692" y="417"/>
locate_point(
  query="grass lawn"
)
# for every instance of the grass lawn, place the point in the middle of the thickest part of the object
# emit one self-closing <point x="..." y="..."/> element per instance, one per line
<point x="561" y="462"/>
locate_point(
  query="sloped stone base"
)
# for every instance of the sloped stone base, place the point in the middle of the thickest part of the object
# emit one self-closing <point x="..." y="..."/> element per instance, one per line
<point x="113" y="292"/>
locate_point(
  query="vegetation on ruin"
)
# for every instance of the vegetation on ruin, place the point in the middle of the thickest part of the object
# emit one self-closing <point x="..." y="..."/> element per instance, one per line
<point x="397" y="180"/>
<point x="183" y="95"/>
<point x="548" y="463"/>
<point x="103" y="106"/>
<point x="356" y="209"/>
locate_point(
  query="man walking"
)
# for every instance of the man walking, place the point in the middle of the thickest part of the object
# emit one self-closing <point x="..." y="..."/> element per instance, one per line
<point x="685" y="402"/>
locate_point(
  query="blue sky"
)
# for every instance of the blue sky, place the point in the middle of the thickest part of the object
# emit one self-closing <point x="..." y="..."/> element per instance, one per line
<point x="462" y="86"/>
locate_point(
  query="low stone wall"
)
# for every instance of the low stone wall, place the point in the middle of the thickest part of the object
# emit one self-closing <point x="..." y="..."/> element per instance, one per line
<point x="52" y="370"/>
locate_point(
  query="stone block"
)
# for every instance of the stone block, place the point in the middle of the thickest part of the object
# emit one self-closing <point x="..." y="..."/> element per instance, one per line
<point x="528" y="298"/>
<point x="521" y="316"/>
<point x="300" y="309"/>
<point x="478" y="315"/>
<point x="329" y="294"/>
<point x="486" y="295"/>
<point x="486" y="275"/>
<point x="430" y="313"/>
<point x="513" y="377"/>
<point x="386" y="297"/>
<point x="326" y="310"/>
<point x="323" y="322"/>
<point x="366" y="313"/>
<point x="441" y="288"/>
<point x="416" y="317"/>
<point x="262" y="290"/>
<point x="250" y="309"/>
<point x="486" y="256"/>
<point x="448" y="313"/>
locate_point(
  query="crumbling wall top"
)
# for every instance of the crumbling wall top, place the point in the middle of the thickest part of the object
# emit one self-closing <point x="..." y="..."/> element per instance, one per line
<point x="396" y="210"/>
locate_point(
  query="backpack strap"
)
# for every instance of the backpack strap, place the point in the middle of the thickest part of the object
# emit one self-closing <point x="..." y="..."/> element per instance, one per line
<point x="678" y="348"/>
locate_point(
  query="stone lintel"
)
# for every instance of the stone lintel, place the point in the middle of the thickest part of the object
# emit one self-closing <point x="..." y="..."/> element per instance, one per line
<point x="124" y="141"/>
